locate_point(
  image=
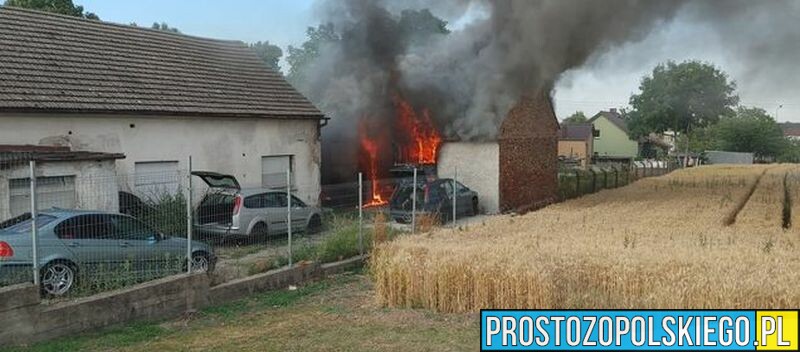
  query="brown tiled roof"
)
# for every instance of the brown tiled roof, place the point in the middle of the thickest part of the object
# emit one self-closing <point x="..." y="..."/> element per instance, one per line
<point x="790" y="129"/>
<point x="575" y="131"/>
<point x="55" y="63"/>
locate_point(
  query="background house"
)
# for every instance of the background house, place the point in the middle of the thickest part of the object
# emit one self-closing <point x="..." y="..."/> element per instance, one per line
<point x="156" y="96"/>
<point x="791" y="130"/>
<point x="518" y="171"/>
<point x="64" y="178"/>
<point x="612" y="138"/>
<point x="576" y="142"/>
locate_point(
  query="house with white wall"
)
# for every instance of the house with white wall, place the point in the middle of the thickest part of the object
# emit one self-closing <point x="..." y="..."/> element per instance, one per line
<point x="158" y="97"/>
<point x="64" y="179"/>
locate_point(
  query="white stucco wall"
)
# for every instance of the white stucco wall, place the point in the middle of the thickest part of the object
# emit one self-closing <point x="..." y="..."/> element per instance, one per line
<point x="96" y="186"/>
<point x="225" y="145"/>
<point x="478" y="167"/>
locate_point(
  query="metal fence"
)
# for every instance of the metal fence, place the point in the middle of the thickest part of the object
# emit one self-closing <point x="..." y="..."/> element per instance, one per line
<point x="84" y="229"/>
<point x="575" y="182"/>
<point x="97" y="229"/>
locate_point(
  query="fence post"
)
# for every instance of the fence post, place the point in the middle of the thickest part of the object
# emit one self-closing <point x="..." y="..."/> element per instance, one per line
<point x="594" y="180"/>
<point x="289" y="211"/>
<point x="455" y="194"/>
<point x="189" y="221"/>
<point x="616" y="177"/>
<point x="414" y="203"/>
<point x="34" y="230"/>
<point x="361" y="214"/>
<point x="577" y="183"/>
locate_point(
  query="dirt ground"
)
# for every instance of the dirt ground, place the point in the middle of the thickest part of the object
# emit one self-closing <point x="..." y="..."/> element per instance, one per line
<point x="337" y="314"/>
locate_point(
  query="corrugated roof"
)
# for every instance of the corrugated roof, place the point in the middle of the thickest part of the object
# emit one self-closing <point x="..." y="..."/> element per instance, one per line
<point x="56" y="63"/>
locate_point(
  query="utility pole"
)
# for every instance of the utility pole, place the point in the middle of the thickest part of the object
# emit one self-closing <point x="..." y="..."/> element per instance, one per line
<point x="688" y="126"/>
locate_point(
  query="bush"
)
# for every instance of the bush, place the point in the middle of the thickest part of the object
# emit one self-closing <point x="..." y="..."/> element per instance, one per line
<point x="166" y="213"/>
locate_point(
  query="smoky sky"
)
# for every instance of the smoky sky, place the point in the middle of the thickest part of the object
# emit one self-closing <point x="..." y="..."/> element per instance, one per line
<point x="498" y="51"/>
<point x="756" y="42"/>
<point x="470" y="78"/>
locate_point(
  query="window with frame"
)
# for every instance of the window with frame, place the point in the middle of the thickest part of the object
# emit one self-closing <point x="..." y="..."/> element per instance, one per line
<point x="51" y="192"/>
<point x="156" y="178"/>
<point x="273" y="171"/>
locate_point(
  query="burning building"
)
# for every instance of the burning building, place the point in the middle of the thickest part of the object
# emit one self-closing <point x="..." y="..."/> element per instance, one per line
<point x="519" y="170"/>
<point x="404" y="88"/>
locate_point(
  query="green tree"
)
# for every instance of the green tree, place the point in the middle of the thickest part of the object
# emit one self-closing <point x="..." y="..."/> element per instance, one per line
<point x="577" y="117"/>
<point x="790" y="153"/>
<point x="269" y="53"/>
<point x="751" y="130"/>
<point x="64" y="7"/>
<point x="681" y="97"/>
<point x="163" y="26"/>
<point x="412" y="26"/>
<point x="301" y="57"/>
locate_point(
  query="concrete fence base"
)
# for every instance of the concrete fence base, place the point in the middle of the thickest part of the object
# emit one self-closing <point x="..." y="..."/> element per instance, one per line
<point x="26" y="319"/>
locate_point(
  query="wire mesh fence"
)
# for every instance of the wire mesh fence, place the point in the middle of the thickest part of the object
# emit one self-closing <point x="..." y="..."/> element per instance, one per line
<point x="97" y="229"/>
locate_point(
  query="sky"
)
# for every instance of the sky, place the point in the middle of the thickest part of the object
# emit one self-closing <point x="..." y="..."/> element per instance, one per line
<point x="607" y="80"/>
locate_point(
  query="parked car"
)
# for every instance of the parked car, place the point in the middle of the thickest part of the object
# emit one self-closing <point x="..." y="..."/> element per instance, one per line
<point x="434" y="196"/>
<point x="73" y="242"/>
<point x="228" y="211"/>
<point x="131" y="204"/>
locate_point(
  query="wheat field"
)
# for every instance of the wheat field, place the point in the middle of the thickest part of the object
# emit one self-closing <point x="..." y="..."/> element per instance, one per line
<point x="707" y="237"/>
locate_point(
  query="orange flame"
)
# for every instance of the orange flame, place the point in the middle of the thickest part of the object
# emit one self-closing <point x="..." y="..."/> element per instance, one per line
<point x="421" y="138"/>
<point x="370" y="147"/>
<point x="418" y="143"/>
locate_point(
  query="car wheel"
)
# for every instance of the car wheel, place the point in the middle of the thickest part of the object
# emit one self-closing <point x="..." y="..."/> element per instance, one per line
<point x="58" y="278"/>
<point x="260" y="231"/>
<point x="314" y="224"/>
<point x="475" y="209"/>
<point x="201" y="263"/>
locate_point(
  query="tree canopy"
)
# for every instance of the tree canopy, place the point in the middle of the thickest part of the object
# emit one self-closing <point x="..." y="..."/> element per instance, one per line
<point x="750" y="130"/>
<point x="577" y="117"/>
<point x="64" y="7"/>
<point x="269" y="53"/>
<point x="163" y="26"/>
<point x="413" y="26"/>
<point x="681" y="97"/>
<point x="300" y="57"/>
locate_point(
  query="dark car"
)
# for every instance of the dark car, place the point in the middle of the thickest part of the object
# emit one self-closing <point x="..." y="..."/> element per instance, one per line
<point x="433" y="197"/>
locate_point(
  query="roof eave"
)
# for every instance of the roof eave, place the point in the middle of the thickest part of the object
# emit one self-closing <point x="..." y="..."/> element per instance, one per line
<point x="287" y="116"/>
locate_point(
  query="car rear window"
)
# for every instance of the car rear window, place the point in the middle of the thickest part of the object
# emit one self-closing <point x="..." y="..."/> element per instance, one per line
<point x="217" y="199"/>
<point x="25" y="226"/>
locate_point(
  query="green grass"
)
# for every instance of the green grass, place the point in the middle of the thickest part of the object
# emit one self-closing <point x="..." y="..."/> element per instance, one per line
<point x="340" y="242"/>
<point x="282" y="298"/>
<point x="140" y="332"/>
<point x="111" y="338"/>
<point x="338" y="314"/>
